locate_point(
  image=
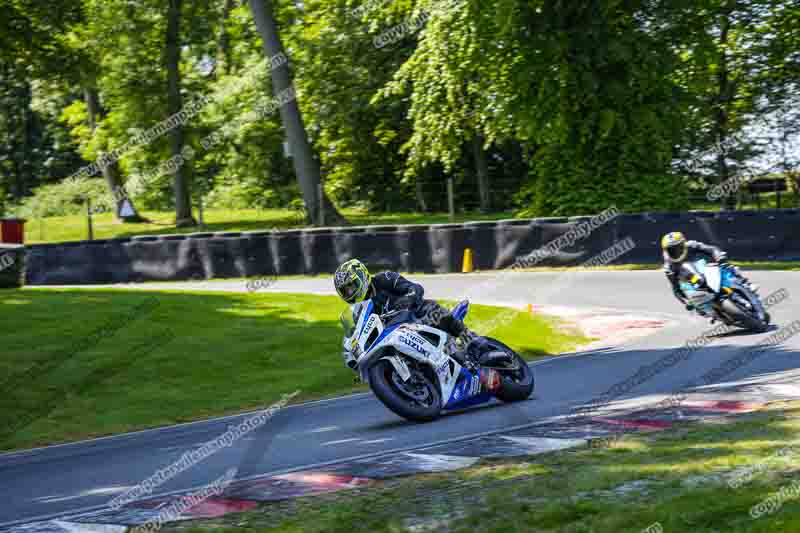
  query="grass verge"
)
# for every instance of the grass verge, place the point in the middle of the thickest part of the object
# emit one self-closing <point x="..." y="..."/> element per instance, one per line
<point x="82" y="363"/>
<point x="677" y="480"/>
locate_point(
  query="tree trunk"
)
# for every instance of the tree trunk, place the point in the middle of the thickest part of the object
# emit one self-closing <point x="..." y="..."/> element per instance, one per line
<point x="183" y="203"/>
<point x="18" y="182"/>
<point x="482" y="171"/>
<point x="224" y="47"/>
<point x="111" y="171"/>
<point x="421" y="205"/>
<point x="27" y="140"/>
<point x="305" y="164"/>
<point x="723" y="100"/>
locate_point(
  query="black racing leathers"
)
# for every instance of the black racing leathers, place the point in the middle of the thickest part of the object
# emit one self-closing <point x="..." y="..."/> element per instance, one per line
<point x="697" y="250"/>
<point x="390" y="291"/>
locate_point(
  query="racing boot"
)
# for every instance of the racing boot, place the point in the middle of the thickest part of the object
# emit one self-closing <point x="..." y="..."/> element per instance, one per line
<point x="460" y="354"/>
<point x="465" y="337"/>
<point x="459" y="332"/>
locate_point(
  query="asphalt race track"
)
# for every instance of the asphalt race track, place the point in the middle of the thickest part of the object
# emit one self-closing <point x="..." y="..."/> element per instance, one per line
<point x="59" y="480"/>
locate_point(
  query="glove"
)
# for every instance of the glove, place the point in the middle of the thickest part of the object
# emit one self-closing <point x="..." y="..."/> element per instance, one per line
<point x="409" y="301"/>
<point x="722" y="257"/>
<point x="691" y="307"/>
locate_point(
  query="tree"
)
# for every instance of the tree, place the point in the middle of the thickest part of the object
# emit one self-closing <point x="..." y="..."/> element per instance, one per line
<point x="581" y="85"/>
<point x="735" y="60"/>
<point x="338" y="70"/>
<point x="481" y="171"/>
<point x="111" y="171"/>
<point x="183" y="202"/>
<point x="305" y="163"/>
<point x="46" y="40"/>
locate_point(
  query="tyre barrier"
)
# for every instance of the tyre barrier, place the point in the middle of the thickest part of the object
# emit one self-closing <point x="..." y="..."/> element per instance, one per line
<point x="768" y="235"/>
<point x="12" y="266"/>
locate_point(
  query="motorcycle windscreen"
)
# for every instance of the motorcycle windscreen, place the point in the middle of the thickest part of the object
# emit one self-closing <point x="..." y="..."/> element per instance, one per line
<point x="714" y="278"/>
<point x="693" y="271"/>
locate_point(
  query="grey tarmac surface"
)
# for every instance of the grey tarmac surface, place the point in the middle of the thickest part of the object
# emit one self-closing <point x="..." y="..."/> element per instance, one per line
<point x="61" y="480"/>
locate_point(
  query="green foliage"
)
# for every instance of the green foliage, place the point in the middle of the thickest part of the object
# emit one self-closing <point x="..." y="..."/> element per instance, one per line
<point x="339" y="70"/>
<point x="581" y="104"/>
<point x="66" y="198"/>
<point x="249" y="193"/>
<point x="581" y="85"/>
<point x="34" y="148"/>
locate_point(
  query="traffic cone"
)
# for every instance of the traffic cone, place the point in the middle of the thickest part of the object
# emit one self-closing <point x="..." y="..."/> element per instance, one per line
<point x="467" y="264"/>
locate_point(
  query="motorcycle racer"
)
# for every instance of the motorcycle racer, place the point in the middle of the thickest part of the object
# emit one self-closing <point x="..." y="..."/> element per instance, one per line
<point x="389" y="291"/>
<point x="677" y="250"/>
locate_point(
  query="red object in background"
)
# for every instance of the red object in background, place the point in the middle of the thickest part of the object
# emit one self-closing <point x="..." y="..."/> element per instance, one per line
<point x="12" y="230"/>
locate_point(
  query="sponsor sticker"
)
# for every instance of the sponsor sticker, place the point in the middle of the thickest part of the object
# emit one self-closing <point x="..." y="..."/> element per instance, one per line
<point x="444" y="372"/>
<point x="415" y="345"/>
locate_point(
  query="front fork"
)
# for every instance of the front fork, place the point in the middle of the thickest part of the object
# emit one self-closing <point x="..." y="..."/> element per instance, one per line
<point x="751" y="298"/>
<point x="755" y="301"/>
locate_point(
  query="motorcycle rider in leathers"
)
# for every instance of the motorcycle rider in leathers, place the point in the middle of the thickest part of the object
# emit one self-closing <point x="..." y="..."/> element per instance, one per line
<point x="390" y="291"/>
<point x="676" y="251"/>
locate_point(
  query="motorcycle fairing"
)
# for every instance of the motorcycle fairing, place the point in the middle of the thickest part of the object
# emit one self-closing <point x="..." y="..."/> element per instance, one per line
<point x="468" y="391"/>
<point x="722" y="281"/>
<point x="456" y="384"/>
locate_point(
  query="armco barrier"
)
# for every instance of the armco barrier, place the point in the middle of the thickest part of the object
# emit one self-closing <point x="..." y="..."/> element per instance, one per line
<point x="746" y="235"/>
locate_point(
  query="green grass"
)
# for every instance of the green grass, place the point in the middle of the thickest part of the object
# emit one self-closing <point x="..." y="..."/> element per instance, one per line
<point x="74" y="227"/>
<point x="191" y="356"/>
<point x="677" y="478"/>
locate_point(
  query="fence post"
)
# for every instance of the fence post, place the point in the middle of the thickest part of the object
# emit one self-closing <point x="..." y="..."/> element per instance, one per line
<point x="451" y="204"/>
<point x="200" y="211"/>
<point x="89" y="217"/>
<point x="321" y="204"/>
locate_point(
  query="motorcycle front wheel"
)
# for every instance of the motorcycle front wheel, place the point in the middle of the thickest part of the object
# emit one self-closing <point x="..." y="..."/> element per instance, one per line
<point x="417" y="400"/>
<point x="743" y="318"/>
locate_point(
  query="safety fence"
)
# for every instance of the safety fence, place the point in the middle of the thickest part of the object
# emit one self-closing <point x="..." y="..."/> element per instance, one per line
<point x="746" y="235"/>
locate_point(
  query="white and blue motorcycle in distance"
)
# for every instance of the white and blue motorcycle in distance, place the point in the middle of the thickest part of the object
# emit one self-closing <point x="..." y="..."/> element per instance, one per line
<point x="718" y="291"/>
<point x="409" y="366"/>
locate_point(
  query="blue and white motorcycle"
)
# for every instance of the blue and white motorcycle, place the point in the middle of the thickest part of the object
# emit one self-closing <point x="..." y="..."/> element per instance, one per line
<point x="410" y="368"/>
<point x="718" y="290"/>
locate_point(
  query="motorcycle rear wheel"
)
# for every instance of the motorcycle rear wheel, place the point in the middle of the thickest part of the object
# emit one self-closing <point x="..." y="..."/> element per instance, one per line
<point x="398" y="396"/>
<point x="517" y="381"/>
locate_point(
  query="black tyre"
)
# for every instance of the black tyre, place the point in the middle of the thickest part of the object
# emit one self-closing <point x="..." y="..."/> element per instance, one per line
<point x="742" y="318"/>
<point x="517" y="381"/>
<point x="418" y="400"/>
